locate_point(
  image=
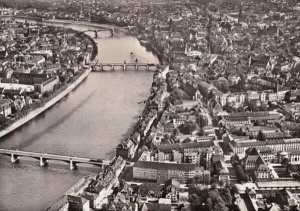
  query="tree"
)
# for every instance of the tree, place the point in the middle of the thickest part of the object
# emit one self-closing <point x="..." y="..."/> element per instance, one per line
<point x="285" y="161"/>
<point x="241" y="174"/>
<point x="179" y="94"/>
<point x="187" y="128"/>
<point x="226" y="195"/>
<point x="215" y="201"/>
<point x="47" y="94"/>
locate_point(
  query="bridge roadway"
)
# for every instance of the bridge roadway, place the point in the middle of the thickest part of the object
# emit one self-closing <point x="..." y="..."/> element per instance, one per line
<point x="136" y="65"/>
<point x="44" y="157"/>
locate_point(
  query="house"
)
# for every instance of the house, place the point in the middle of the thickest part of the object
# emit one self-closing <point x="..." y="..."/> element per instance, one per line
<point x="3" y="54"/>
<point x="126" y="149"/>
<point x="192" y="92"/>
<point x="292" y="155"/>
<point x="292" y="110"/>
<point x="253" y="95"/>
<point x="222" y="171"/>
<point x="237" y="98"/>
<point x="12" y="92"/>
<point x="171" y="190"/>
<point x="202" y="176"/>
<point x="5" y="107"/>
<point x="259" y="61"/>
<point x="149" y="190"/>
<point x="78" y="203"/>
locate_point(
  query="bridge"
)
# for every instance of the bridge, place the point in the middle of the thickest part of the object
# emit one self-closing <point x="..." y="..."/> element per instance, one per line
<point x="112" y="31"/>
<point x="45" y="157"/>
<point x="107" y="67"/>
<point x="132" y="61"/>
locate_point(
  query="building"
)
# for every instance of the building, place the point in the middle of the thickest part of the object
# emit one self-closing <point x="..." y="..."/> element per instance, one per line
<point x="276" y="145"/>
<point x="46" y="86"/>
<point x="194" y="152"/>
<point x="160" y="172"/>
<point x="292" y="155"/>
<point x="171" y="190"/>
<point x="235" y="121"/>
<point x="77" y="203"/>
<point x="256" y="166"/>
<point x="5" y="107"/>
<point x="31" y="78"/>
<point x="292" y="110"/>
<point x="222" y="171"/>
<point x="126" y="149"/>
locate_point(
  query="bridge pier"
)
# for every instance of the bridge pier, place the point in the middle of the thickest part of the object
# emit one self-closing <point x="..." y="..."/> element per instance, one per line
<point x="100" y="68"/>
<point x="14" y="158"/>
<point x="43" y="161"/>
<point x="112" y="31"/>
<point x="73" y="165"/>
<point x="124" y="67"/>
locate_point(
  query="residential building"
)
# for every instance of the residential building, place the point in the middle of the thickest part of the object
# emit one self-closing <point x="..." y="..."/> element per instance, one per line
<point x="160" y="172"/>
<point x="5" y="107"/>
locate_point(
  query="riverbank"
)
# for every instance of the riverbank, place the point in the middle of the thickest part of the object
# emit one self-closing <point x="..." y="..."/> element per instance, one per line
<point x="110" y="178"/>
<point x="85" y="23"/>
<point x="66" y="21"/>
<point x="53" y="99"/>
<point x="107" y="190"/>
<point x="79" y="187"/>
<point x="46" y="106"/>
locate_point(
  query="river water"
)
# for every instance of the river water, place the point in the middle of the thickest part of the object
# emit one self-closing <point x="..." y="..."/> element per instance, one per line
<point x="90" y="122"/>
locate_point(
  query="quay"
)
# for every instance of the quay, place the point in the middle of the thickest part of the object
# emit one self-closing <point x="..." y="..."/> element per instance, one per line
<point x="47" y="105"/>
<point x="106" y="67"/>
<point x="45" y="157"/>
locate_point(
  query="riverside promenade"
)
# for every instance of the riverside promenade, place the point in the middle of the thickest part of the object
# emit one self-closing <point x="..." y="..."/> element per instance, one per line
<point x="47" y="105"/>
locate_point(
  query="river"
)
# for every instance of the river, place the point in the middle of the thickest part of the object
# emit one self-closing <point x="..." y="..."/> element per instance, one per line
<point x="90" y="122"/>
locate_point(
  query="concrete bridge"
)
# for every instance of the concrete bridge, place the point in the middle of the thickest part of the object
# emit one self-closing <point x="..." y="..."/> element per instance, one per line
<point x="45" y="157"/>
<point x="106" y="67"/>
